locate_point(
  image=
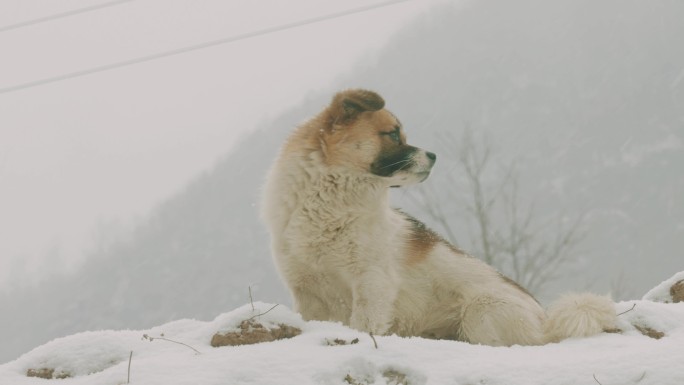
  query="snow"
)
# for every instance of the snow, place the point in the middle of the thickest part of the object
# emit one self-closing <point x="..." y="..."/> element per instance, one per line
<point x="102" y="357"/>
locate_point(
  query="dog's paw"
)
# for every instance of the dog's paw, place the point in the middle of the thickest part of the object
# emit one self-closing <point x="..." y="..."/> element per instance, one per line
<point x="369" y="324"/>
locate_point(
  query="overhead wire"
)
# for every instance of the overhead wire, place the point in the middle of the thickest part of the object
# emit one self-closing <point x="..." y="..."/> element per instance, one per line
<point x="62" y="15"/>
<point x="200" y="46"/>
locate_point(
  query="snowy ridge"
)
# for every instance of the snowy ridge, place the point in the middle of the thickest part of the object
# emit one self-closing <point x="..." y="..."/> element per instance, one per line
<point x="661" y="293"/>
<point x="95" y="358"/>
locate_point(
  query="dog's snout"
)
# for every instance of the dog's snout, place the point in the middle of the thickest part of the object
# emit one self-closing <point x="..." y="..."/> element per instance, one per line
<point x="431" y="155"/>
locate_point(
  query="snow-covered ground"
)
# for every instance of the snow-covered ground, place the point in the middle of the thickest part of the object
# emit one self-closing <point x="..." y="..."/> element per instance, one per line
<point x="329" y="353"/>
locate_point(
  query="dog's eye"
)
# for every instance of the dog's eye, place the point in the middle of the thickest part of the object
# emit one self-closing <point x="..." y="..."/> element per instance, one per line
<point x="394" y="135"/>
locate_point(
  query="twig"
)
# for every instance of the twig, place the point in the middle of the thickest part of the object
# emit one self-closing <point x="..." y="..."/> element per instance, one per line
<point x="374" y="341"/>
<point x="130" y="358"/>
<point x="146" y="337"/>
<point x="251" y="301"/>
<point x="595" y="379"/>
<point x="259" y="315"/>
<point x="627" y="311"/>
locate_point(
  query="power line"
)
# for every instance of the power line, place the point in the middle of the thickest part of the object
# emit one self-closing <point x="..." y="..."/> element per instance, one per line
<point x="197" y="47"/>
<point x="62" y="15"/>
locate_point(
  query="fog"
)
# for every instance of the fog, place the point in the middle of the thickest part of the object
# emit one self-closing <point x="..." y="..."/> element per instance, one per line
<point x="88" y="157"/>
<point x="586" y="99"/>
<point x="84" y="161"/>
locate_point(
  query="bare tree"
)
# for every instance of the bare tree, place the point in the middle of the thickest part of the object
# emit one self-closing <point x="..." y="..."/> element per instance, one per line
<point x="505" y="232"/>
<point x="621" y="287"/>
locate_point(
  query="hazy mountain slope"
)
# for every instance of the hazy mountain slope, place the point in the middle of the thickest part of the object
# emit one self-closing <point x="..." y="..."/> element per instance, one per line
<point x="587" y="96"/>
<point x="206" y="240"/>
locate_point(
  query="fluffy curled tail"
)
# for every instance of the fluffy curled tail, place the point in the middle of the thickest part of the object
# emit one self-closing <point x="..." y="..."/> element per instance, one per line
<point x="579" y="315"/>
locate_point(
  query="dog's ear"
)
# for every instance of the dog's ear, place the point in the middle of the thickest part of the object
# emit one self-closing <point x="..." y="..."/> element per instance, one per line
<point x="347" y="105"/>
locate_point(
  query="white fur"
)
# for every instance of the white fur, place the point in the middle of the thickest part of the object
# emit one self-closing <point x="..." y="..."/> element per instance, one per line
<point x="343" y="253"/>
<point x="579" y="315"/>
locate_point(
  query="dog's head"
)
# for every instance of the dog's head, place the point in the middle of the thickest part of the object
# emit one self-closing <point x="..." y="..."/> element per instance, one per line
<point x="362" y="136"/>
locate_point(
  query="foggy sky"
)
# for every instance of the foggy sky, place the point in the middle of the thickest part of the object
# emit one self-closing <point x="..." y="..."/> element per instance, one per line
<point x="85" y="158"/>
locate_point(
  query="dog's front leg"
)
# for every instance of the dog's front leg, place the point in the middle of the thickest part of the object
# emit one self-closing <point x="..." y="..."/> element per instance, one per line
<point x="373" y="301"/>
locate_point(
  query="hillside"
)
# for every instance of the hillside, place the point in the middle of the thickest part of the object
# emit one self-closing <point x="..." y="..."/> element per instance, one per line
<point x="586" y="97"/>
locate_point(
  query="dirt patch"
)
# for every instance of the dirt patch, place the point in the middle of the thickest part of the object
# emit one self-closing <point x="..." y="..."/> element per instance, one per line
<point x="677" y="292"/>
<point x="341" y="342"/>
<point x="47" y="373"/>
<point x="353" y="381"/>
<point x="650" y="332"/>
<point x="395" y="378"/>
<point x="252" y="332"/>
<point x="392" y="377"/>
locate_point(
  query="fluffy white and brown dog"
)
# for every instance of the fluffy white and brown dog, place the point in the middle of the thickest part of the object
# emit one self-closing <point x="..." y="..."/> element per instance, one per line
<point x="347" y="256"/>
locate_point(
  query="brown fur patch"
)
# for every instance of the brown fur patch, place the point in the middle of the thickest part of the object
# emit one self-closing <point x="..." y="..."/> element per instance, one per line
<point x="347" y="105"/>
<point x="349" y="132"/>
<point x="422" y="240"/>
<point x="323" y="131"/>
<point x="356" y="116"/>
<point x="252" y="332"/>
<point x="384" y="122"/>
<point x="677" y="292"/>
<point x="356" y="143"/>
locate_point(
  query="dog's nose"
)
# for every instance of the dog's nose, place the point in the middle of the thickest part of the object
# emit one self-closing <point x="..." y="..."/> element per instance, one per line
<point x="431" y="155"/>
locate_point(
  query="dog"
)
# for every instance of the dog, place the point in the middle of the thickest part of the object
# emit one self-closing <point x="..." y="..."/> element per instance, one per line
<point x="347" y="256"/>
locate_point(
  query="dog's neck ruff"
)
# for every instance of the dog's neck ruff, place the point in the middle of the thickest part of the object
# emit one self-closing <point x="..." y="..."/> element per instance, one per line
<point x="344" y="192"/>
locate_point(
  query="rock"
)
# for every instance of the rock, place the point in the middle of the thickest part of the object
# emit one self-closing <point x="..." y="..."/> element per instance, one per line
<point x="677" y="292"/>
